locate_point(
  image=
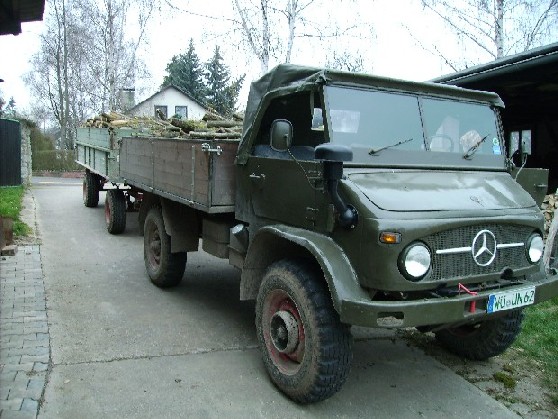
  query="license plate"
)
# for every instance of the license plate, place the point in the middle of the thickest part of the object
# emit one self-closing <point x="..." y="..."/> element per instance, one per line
<point x="508" y="300"/>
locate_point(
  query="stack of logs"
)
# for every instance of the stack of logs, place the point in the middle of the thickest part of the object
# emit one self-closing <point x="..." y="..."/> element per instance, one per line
<point x="211" y="126"/>
<point x="549" y="205"/>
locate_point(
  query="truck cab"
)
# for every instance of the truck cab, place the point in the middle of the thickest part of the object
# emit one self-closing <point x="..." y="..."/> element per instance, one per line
<point x="398" y="197"/>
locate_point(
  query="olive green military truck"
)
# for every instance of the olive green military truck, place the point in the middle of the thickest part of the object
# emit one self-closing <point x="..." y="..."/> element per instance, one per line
<point x="350" y="199"/>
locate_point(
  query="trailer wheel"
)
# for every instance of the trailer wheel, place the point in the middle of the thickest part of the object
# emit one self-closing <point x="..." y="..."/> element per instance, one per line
<point x="90" y="190"/>
<point x="484" y="339"/>
<point x="306" y="349"/>
<point x="115" y="211"/>
<point x="165" y="269"/>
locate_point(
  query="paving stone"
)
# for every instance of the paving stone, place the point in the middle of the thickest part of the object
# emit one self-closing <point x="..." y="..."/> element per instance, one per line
<point x="4" y="392"/>
<point x="6" y="377"/>
<point x="33" y="392"/>
<point x="17" y="368"/>
<point x="30" y="405"/>
<point x="40" y="367"/>
<point x="18" y="390"/>
<point x="14" y="404"/>
<point x="18" y="414"/>
<point x="36" y="358"/>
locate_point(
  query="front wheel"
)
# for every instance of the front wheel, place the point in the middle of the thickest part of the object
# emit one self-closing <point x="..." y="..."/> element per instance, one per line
<point x="306" y="349"/>
<point x="165" y="269"/>
<point x="484" y="339"/>
<point x="115" y="211"/>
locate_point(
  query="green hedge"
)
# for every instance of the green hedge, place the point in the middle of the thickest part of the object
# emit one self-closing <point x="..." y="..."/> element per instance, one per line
<point x="55" y="160"/>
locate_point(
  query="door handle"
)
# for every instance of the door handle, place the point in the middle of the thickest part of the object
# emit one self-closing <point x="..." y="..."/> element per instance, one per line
<point x="257" y="180"/>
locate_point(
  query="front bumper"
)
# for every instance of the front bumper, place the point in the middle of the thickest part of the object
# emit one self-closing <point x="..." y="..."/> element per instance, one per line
<point x="433" y="311"/>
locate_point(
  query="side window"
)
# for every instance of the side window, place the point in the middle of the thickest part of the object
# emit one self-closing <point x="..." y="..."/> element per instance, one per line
<point x="181" y="112"/>
<point x="162" y="110"/>
<point x="520" y="140"/>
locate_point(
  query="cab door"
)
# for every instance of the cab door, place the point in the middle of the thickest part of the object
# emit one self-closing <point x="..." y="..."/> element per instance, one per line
<point x="284" y="190"/>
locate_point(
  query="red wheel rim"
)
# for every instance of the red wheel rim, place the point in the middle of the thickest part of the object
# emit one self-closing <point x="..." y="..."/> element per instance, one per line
<point x="153" y="246"/>
<point x="287" y="355"/>
<point x="107" y="211"/>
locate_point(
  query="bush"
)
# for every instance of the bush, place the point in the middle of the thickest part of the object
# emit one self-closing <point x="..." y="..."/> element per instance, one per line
<point x="55" y="160"/>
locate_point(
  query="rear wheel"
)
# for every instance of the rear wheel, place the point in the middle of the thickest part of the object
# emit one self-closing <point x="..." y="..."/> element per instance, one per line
<point x="90" y="190"/>
<point x="165" y="269"/>
<point x="484" y="339"/>
<point x="306" y="349"/>
<point x="115" y="211"/>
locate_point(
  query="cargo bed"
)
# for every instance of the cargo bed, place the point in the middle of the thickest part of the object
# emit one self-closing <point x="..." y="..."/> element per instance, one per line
<point x="198" y="173"/>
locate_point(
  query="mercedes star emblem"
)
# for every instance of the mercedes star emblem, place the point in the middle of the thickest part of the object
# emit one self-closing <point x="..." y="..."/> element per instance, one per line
<point x="484" y="248"/>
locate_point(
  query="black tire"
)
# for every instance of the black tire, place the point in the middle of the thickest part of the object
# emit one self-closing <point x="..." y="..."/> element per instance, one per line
<point x="484" y="339"/>
<point x="306" y="349"/>
<point x="115" y="211"/>
<point x="165" y="269"/>
<point x="90" y="190"/>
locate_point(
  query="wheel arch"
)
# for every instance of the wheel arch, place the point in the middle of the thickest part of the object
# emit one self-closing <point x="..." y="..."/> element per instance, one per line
<point x="181" y="222"/>
<point x="273" y="243"/>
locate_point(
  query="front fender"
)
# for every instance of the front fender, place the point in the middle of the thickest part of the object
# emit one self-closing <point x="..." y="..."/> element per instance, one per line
<point x="276" y="242"/>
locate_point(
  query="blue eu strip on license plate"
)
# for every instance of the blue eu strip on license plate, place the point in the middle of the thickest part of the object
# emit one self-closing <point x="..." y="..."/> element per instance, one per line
<point x="508" y="300"/>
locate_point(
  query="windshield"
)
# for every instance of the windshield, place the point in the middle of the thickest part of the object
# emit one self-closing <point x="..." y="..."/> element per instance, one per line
<point x="376" y="121"/>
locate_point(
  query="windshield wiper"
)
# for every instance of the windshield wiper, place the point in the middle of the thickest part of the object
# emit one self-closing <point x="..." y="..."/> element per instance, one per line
<point x="473" y="149"/>
<point x="377" y="150"/>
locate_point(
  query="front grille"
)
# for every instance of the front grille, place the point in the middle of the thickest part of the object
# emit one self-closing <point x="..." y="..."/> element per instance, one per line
<point x="460" y="265"/>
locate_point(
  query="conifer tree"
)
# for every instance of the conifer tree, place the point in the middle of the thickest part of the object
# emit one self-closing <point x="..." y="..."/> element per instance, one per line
<point x="221" y="92"/>
<point x="185" y="71"/>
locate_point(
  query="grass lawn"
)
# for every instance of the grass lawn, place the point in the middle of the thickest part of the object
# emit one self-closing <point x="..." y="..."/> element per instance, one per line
<point x="539" y="341"/>
<point x="10" y="206"/>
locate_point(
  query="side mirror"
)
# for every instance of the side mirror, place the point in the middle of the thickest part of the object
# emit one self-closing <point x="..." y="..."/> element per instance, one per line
<point x="333" y="155"/>
<point x="333" y="152"/>
<point x="281" y="134"/>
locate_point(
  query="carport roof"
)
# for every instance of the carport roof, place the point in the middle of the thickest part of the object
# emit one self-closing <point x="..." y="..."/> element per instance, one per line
<point x="14" y="12"/>
<point x="530" y="73"/>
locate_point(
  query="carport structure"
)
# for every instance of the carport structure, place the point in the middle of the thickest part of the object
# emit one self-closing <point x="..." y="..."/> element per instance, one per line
<point x="14" y="12"/>
<point x="528" y="85"/>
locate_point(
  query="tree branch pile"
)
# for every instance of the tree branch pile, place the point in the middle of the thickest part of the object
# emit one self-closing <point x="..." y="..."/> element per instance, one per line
<point x="212" y="126"/>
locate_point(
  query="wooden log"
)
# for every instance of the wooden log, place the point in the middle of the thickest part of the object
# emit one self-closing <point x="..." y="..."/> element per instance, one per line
<point x="224" y="124"/>
<point x="188" y="124"/>
<point x="212" y="134"/>
<point x="212" y="116"/>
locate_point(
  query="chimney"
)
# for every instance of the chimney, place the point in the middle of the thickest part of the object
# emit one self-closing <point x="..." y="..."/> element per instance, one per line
<point x="127" y="99"/>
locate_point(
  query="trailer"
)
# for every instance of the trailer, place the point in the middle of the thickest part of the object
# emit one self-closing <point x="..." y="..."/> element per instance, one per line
<point x="126" y="164"/>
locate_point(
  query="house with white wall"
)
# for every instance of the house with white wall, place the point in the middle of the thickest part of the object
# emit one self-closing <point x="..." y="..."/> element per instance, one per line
<point x="171" y="101"/>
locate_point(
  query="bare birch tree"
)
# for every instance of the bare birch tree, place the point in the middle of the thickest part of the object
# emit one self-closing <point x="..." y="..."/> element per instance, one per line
<point x="51" y="80"/>
<point x="496" y="28"/>
<point x="270" y="28"/>
<point x="110" y="54"/>
<point x="85" y="58"/>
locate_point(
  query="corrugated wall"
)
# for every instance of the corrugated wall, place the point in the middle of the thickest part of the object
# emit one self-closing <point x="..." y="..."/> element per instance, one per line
<point x="10" y="153"/>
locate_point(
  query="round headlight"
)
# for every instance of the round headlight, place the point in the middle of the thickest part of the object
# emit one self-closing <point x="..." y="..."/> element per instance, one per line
<point x="416" y="261"/>
<point x="535" y="248"/>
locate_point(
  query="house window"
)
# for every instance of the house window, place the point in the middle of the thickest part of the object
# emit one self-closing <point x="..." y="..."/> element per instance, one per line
<point x="162" y="109"/>
<point x="181" y="111"/>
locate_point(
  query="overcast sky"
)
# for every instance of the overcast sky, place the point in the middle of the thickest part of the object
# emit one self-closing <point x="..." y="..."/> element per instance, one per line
<point x="394" y="52"/>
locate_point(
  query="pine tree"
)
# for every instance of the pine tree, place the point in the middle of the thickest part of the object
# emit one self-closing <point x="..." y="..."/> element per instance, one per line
<point x="185" y="72"/>
<point x="221" y="92"/>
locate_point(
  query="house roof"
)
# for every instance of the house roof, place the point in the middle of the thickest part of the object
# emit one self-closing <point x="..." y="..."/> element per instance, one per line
<point x="171" y="86"/>
<point x="14" y="12"/>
